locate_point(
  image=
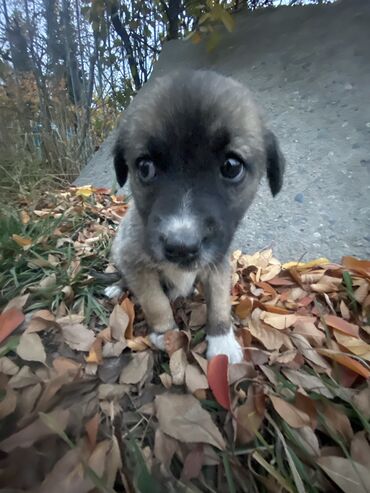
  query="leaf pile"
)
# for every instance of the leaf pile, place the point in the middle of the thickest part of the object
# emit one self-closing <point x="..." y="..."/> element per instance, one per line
<point x="86" y="404"/>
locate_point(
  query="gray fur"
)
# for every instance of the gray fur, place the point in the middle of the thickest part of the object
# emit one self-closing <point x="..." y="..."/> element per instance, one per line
<point x="187" y="124"/>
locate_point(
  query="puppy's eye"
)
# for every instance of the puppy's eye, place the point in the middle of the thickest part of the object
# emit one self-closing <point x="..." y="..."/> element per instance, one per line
<point x="146" y="170"/>
<point x="233" y="169"/>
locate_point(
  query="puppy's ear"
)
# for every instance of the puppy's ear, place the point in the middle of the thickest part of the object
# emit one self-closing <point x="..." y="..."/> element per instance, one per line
<point x="120" y="165"/>
<point x="275" y="162"/>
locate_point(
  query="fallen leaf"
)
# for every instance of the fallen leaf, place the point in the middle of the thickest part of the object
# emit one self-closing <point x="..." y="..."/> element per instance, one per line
<point x="8" y="367"/>
<point x="217" y="374"/>
<point x="198" y="315"/>
<point x="336" y="422"/>
<point x="112" y="391"/>
<point x="95" y="354"/>
<point x="308" y="382"/>
<point x="85" y="191"/>
<point x="137" y="369"/>
<point x="91" y="428"/>
<point x="178" y="364"/>
<point x="349" y="475"/>
<point x="9" y="321"/>
<point x="248" y="419"/>
<point x="139" y="343"/>
<point x="341" y="325"/>
<point x="17" y="302"/>
<point x="62" y="365"/>
<point x="244" y="308"/>
<point x="354" y="264"/>
<point x="23" y="378"/>
<point x="21" y="241"/>
<point x="271" y="338"/>
<point x="182" y="417"/>
<point x="166" y="380"/>
<point x="195" y="379"/>
<point x="279" y="322"/>
<point x="360" y="448"/>
<point x="118" y="323"/>
<point x="308" y="351"/>
<point x="346" y="361"/>
<point x="362" y="401"/>
<point x="129" y="308"/>
<point x="295" y="417"/>
<point x="174" y="340"/>
<point x="8" y="403"/>
<point x="30" y="348"/>
<point x="193" y="463"/>
<point x="307" y="438"/>
<point x="355" y="345"/>
<point x="306" y="265"/>
<point x="164" y="450"/>
<point x="78" y="337"/>
<point x="35" y="431"/>
<point x="25" y="217"/>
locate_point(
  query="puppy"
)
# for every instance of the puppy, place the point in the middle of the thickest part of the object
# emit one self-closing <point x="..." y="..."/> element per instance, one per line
<point x="195" y="149"/>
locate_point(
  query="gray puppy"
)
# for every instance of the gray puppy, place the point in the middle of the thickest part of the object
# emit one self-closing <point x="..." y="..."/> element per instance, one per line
<point x="195" y="148"/>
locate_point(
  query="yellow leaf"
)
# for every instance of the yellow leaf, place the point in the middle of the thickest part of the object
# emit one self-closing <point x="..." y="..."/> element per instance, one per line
<point x="307" y="265"/>
<point x="21" y="241"/>
<point x="86" y="191"/>
<point x="25" y="218"/>
<point x="356" y="346"/>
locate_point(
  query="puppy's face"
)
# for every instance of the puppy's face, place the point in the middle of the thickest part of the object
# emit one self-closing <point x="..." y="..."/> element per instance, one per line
<point x="195" y="149"/>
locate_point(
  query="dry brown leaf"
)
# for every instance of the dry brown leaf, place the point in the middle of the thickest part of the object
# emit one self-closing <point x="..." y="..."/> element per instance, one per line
<point x="174" y="340"/>
<point x="182" y="417"/>
<point x="350" y="476"/>
<point x="129" y="308"/>
<point x="360" y="448"/>
<point x="308" y="329"/>
<point x="8" y="367"/>
<point x="248" y="420"/>
<point x="112" y="391"/>
<point x="35" y="431"/>
<point x="23" y="378"/>
<point x="341" y="325"/>
<point x="78" y="337"/>
<point x="244" y="308"/>
<point x="362" y="292"/>
<point x="62" y="365"/>
<point x="113" y="349"/>
<point x="346" y="314"/>
<point x="271" y="338"/>
<point x="8" y="403"/>
<point x="193" y="463"/>
<point x="9" y="321"/>
<point x="279" y="322"/>
<point x="295" y="417"/>
<point x="95" y="353"/>
<point x="18" y="302"/>
<point x="91" y="428"/>
<point x="137" y="369"/>
<point x="21" y="241"/>
<point x="361" y="266"/>
<point x="139" y="343"/>
<point x="164" y="450"/>
<point x="195" y="378"/>
<point x="308" y="382"/>
<point x="355" y="345"/>
<point x="41" y="320"/>
<point x="30" y="348"/>
<point x="309" y="441"/>
<point x="198" y="315"/>
<point x="178" y="364"/>
<point x="27" y="399"/>
<point x="166" y="380"/>
<point x="118" y="323"/>
<point x="337" y="422"/>
<point x="362" y="401"/>
<point x="309" y="352"/>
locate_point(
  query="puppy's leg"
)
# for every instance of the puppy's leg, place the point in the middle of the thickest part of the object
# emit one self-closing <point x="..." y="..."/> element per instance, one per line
<point x="147" y="288"/>
<point x="220" y="332"/>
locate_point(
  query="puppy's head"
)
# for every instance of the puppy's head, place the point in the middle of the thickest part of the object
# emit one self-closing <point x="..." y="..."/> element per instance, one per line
<point x="195" y="149"/>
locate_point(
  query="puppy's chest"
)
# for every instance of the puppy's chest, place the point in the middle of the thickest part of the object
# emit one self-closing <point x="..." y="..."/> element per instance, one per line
<point x="177" y="282"/>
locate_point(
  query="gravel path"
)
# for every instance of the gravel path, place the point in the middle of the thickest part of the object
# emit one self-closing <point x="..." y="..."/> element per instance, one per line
<point x="309" y="68"/>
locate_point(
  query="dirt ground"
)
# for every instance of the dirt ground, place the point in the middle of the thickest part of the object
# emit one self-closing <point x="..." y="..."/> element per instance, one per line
<point x="309" y="68"/>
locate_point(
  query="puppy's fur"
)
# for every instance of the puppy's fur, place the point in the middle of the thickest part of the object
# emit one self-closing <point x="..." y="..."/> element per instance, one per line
<point x="187" y="125"/>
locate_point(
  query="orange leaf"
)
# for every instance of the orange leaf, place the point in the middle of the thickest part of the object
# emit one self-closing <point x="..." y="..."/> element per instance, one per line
<point x="139" y="343"/>
<point x="218" y="379"/>
<point x="21" y="241"/>
<point x="360" y="266"/>
<point x="95" y="354"/>
<point x="244" y="308"/>
<point x="9" y="321"/>
<point x="91" y="428"/>
<point x="341" y="325"/>
<point x="129" y="308"/>
<point x="346" y="361"/>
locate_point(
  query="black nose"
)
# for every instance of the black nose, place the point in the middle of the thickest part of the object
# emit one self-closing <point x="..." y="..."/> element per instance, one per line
<point x="181" y="251"/>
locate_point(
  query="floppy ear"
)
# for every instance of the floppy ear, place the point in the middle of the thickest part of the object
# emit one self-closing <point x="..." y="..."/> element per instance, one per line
<point x="120" y="165"/>
<point x="275" y="163"/>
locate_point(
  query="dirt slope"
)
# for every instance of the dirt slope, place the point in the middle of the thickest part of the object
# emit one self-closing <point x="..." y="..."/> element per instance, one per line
<point x="309" y="68"/>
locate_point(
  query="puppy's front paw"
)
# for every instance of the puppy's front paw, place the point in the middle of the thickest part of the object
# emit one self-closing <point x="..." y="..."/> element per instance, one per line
<point x="113" y="291"/>
<point x="158" y="340"/>
<point x="225" y="344"/>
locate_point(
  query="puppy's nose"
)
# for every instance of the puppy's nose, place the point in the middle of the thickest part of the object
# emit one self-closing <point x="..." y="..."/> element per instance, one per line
<point x="181" y="250"/>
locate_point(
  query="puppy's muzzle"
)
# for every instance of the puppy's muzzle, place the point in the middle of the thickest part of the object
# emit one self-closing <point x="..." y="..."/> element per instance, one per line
<point x="181" y="248"/>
